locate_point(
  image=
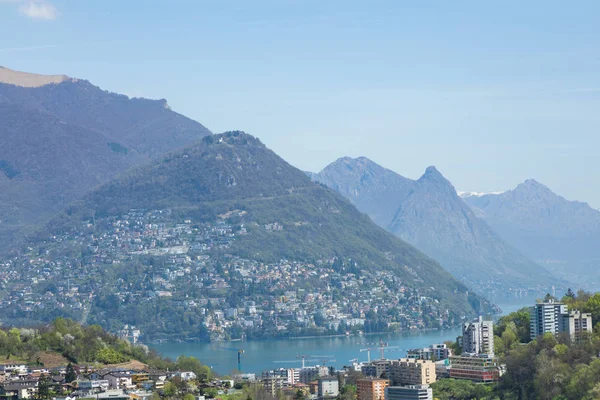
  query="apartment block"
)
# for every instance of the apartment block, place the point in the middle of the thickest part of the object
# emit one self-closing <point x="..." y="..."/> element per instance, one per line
<point x="406" y="371"/>
<point x="371" y="388"/>
<point x="478" y="337"/>
<point x="412" y="392"/>
<point x="475" y="367"/>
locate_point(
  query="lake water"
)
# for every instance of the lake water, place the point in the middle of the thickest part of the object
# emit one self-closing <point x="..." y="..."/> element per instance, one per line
<point x="263" y="355"/>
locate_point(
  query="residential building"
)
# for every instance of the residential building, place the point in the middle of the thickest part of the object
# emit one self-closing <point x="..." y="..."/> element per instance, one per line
<point x="407" y="371"/>
<point x="20" y="389"/>
<point x="575" y="323"/>
<point x="411" y="392"/>
<point x="273" y="383"/>
<point x="371" y="388"/>
<point x="475" y="367"/>
<point x="434" y="352"/>
<point x="545" y="317"/>
<point x="377" y="369"/>
<point x="92" y="385"/>
<point x="309" y="374"/>
<point x="478" y="337"/>
<point x="293" y="376"/>
<point x="328" y="387"/>
<point x="119" y="380"/>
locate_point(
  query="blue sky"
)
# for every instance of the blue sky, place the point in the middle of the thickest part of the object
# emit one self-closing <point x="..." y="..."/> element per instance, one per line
<point x="492" y="93"/>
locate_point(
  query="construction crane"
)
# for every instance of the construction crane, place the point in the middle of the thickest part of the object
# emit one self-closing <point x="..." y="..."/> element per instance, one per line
<point x="306" y="358"/>
<point x="239" y="355"/>
<point x="368" y="350"/>
<point x="383" y="347"/>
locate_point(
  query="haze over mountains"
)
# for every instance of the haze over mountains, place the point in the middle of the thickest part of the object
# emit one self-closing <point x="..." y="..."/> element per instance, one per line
<point x="273" y="213"/>
<point x="562" y="235"/>
<point x="62" y="137"/>
<point x="107" y="161"/>
<point x="429" y="214"/>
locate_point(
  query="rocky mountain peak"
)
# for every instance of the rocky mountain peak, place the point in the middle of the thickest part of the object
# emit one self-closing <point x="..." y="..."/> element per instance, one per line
<point x="26" y="79"/>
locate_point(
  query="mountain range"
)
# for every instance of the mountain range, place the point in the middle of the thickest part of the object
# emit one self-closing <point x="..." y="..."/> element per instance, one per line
<point x="429" y="214"/>
<point x="195" y="222"/>
<point x="562" y="235"/>
<point x="61" y="137"/>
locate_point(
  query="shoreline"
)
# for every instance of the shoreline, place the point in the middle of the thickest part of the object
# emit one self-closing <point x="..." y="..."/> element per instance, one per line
<point x="297" y="338"/>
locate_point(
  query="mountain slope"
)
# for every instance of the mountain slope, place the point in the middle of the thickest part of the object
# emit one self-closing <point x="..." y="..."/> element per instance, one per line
<point x="371" y="188"/>
<point x="148" y="126"/>
<point x="241" y="222"/>
<point x="429" y="214"/>
<point x="437" y="221"/>
<point x="46" y="163"/>
<point x="61" y="137"/>
<point x="560" y="234"/>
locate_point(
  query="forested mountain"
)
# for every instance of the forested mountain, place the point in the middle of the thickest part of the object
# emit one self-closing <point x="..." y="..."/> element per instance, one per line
<point x="235" y="171"/>
<point x="62" y="137"/>
<point x="224" y="222"/>
<point x="430" y="215"/>
<point x="562" y="235"/>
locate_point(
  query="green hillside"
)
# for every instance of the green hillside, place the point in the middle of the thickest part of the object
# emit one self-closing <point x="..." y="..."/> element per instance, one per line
<point x="226" y="213"/>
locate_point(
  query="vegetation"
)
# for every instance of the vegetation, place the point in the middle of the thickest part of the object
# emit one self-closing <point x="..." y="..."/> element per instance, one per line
<point x="87" y="344"/>
<point x="545" y="368"/>
<point x="117" y="147"/>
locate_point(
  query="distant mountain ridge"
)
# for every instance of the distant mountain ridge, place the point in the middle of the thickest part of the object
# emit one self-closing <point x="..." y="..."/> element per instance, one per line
<point x="429" y="214"/>
<point x="61" y="137"/>
<point x="560" y="234"/>
<point x="375" y="190"/>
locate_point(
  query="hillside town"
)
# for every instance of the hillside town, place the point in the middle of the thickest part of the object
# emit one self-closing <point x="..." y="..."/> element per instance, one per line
<point x="187" y="264"/>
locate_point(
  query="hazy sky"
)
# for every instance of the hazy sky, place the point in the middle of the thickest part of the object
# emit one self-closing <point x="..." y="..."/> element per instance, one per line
<point x="492" y="93"/>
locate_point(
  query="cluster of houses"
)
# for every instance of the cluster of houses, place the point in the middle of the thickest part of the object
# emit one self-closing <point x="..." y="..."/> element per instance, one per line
<point x="19" y="381"/>
<point x="190" y="254"/>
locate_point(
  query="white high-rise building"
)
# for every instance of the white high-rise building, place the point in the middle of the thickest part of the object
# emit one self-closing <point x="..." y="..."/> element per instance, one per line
<point x="574" y="323"/>
<point x="478" y="337"/>
<point x="546" y="317"/>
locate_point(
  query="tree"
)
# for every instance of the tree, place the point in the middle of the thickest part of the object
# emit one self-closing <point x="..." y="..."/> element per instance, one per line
<point x="170" y="390"/>
<point x="43" y="388"/>
<point x="70" y="375"/>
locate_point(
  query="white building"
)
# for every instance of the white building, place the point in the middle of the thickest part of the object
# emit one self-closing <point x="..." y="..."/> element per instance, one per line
<point x="293" y="376"/>
<point x="545" y="317"/>
<point x="478" y="337"/>
<point x="433" y="352"/>
<point x="574" y="323"/>
<point x="412" y="392"/>
<point x="93" y="385"/>
<point x="328" y="387"/>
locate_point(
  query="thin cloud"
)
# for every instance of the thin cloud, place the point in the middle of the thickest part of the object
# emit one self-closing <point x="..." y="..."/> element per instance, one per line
<point x="34" y="9"/>
<point x="38" y="10"/>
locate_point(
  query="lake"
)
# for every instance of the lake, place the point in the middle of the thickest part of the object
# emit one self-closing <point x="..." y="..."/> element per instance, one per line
<point x="263" y="355"/>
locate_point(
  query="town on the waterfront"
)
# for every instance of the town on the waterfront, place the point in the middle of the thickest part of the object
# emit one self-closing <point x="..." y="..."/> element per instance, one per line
<point x="471" y="357"/>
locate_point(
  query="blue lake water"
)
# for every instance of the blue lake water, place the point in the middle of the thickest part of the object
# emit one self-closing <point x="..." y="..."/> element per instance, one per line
<point x="262" y="355"/>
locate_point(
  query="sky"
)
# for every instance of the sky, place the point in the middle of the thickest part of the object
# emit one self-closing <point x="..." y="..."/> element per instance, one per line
<point x="491" y="93"/>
